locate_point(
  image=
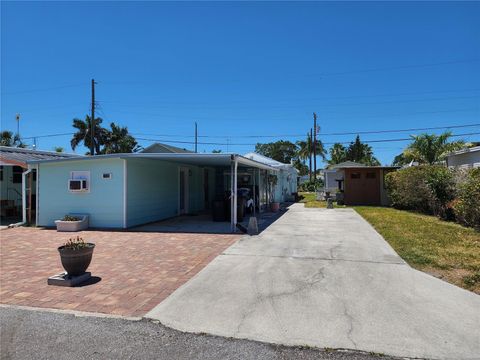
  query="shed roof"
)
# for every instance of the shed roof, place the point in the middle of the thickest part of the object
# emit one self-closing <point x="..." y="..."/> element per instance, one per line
<point x="20" y="156"/>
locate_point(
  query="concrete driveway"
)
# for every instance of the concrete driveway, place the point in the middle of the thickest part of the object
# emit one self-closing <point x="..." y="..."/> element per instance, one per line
<point x="326" y="278"/>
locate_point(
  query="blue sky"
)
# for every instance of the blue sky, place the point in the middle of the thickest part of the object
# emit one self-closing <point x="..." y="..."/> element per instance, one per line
<point x="241" y="69"/>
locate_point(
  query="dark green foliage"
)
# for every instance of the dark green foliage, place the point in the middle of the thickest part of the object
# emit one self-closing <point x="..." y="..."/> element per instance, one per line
<point x="282" y="150"/>
<point x="428" y="189"/>
<point x="467" y="204"/>
<point x="357" y="151"/>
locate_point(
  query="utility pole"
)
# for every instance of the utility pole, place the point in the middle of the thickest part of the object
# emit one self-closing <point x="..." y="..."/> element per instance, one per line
<point x="196" y="136"/>
<point x="17" y="117"/>
<point x="92" y="121"/>
<point x="314" y="147"/>
<point x="310" y="138"/>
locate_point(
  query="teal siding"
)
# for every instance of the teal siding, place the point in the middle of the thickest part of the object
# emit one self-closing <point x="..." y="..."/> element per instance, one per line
<point x="153" y="190"/>
<point x="104" y="202"/>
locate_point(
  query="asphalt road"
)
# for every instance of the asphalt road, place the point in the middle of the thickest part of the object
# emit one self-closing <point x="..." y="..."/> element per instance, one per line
<point x="27" y="334"/>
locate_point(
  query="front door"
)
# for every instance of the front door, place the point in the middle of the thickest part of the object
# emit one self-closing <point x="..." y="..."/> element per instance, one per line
<point x="183" y="191"/>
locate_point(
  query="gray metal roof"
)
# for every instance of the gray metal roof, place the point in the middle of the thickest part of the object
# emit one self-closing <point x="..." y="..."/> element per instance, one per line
<point x="164" y="148"/>
<point x="20" y="155"/>
<point x="186" y="158"/>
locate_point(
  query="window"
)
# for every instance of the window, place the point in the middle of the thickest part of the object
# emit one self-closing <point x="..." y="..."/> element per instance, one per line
<point x="17" y="174"/>
<point x="371" y="175"/>
<point x="107" y="176"/>
<point x="1" y="172"/>
<point x="355" y="175"/>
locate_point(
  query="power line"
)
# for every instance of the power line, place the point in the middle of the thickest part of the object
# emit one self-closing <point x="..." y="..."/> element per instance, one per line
<point x="280" y="135"/>
<point x="44" y="89"/>
<point x="401" y="67"/>
<point x="249" y="144"/>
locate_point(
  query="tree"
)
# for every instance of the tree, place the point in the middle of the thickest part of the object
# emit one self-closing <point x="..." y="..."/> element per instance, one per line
<point x="58" y="149"/>
<point x="338" y="154"/>
<point x="8" y="139"/>
<point x="214" y="151"/>
<point x="282" y="150"/>
<point x="301" y="167"/>
<point x="361" y="153"/>
<point x="118" y="140"/>
<point x="431" y="148"/>
<point x="83" y="134"/>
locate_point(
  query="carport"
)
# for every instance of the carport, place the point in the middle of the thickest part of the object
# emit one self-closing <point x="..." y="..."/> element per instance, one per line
<point x="233" y="164"/>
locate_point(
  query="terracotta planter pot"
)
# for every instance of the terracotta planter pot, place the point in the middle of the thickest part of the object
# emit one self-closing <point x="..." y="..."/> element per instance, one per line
<point x="275" y="206"/>
<point x="76" y="262"/>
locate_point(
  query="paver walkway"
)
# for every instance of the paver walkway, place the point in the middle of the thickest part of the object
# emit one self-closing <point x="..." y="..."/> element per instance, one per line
<point x="137" y="270"/>
<point x="326" y="278"/>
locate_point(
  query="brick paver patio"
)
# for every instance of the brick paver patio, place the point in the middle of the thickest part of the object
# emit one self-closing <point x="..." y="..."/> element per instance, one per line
<point x="137" y="270"/>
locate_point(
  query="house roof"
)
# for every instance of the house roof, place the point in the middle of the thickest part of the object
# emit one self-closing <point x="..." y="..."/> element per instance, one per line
<point x="347" y="164"/>
<point x="184" y="158"/>
<point x="465" y="150"/>
<point x="20" y="156"/>
<point x="164" y="148"/>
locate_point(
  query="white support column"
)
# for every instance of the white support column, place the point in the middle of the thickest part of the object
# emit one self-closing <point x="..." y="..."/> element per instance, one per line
<point x="37" y="194"/>
<point x="254" y="192"/>
<point x="125" y="189"/>
<point x="232" y="225"/>
<point x="235" y="196"/>
<point x="24" y="195"/>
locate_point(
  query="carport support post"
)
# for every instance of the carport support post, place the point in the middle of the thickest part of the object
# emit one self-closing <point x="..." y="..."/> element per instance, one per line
<point x="235" y="195"/>
<point x="254" y="192"/>
<point x="231" y="198"/>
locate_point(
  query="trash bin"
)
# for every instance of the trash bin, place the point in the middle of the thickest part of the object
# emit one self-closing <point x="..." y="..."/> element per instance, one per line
<point x="218" y="210"/>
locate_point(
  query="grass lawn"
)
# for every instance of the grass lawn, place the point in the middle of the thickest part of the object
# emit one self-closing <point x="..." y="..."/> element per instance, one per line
<point x="444" y="249"/>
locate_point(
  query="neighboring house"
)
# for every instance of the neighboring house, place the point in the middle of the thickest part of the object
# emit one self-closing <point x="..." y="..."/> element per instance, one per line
<point x="164" y="148"/>
<point x="365" y="185"/>
<point x="465" y="158"/>
<point x="333" y="178"/>
<point x="287" y="177"/>
<point x="13" y="170"/>
<point x="360" y="184"/>
<point x="126" y="190"/>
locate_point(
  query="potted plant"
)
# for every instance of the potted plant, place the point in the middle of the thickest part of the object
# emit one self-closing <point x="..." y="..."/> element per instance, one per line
<point x="76" y="255"/>
<point x="72" y="222"/>
<point x="272" y="181"/>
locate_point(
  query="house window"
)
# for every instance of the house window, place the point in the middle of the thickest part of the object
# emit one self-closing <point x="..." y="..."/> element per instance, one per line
<point x="17" y="174"/>
<point x="371" y="175"/>
<point x="1" y="172"/>
<point x="355" y="176"/>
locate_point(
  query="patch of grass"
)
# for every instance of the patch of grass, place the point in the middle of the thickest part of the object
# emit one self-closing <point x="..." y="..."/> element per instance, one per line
<point x="444" y="249"/>
<point x="308" y="198"/>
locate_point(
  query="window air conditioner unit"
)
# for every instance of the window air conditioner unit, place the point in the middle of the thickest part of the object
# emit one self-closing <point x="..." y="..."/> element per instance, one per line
<point x="77" y="185"/>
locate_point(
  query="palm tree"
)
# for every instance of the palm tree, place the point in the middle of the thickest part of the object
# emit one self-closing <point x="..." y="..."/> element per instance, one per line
<point x="8" y="139"/>
<point x="338" y="154"/>
<point x="118" y="140"/>
<point x="83" y="134"/>
<point x="305" y="150"/>
<point x="431" y="148"/>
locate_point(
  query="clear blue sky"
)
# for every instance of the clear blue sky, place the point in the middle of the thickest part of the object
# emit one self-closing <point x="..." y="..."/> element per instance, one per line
<point x="241" y="69"/>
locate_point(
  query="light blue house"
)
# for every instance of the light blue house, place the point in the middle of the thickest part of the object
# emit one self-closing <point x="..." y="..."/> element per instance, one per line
<point x="127" y="190"/>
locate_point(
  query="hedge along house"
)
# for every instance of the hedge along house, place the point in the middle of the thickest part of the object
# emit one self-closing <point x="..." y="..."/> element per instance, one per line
<point x="18" y="183"/>
<point x="127" y="190"/>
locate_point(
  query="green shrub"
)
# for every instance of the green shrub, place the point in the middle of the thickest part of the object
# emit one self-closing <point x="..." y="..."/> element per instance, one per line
<point x="467" y="204"/>
<point x="428" y="189"/>
<point x="311" y="186"/>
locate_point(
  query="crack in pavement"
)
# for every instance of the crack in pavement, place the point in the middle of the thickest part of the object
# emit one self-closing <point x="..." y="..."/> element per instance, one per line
<point x="296" y="257"/>
<point x="314" y="279"/>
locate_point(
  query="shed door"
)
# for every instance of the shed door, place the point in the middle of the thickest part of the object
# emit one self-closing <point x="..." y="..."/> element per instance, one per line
<point x="362" y="187"/>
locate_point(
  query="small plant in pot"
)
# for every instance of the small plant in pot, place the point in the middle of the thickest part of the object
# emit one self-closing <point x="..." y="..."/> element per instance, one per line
<point x="76" y="255"/>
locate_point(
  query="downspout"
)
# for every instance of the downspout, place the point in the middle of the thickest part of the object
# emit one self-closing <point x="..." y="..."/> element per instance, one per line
<point x="232" y="228"/>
